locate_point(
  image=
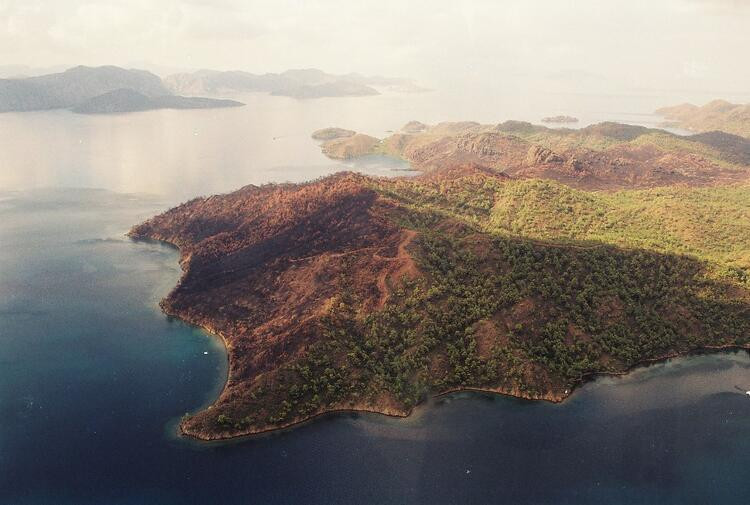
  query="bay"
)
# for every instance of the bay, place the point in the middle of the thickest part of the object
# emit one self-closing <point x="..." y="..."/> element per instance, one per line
<point x="93" y="377"/>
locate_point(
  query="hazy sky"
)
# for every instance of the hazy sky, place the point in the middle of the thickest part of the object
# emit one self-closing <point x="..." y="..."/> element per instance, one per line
<point x="591" y="44"/>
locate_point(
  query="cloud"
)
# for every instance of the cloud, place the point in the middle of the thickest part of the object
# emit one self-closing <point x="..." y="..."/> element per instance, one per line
<point x="635" y="43"/>
<point x="721" y="6"/>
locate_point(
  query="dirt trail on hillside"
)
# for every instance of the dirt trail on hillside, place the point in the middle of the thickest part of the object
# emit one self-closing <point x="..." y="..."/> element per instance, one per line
<point x="408" y="267"/>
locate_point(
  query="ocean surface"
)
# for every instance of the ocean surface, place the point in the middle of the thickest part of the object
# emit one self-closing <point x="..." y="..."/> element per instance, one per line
<point x="94" y="378"/>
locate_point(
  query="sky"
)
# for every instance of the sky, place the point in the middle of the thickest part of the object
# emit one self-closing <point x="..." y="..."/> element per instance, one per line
<point x="589" y="45"/>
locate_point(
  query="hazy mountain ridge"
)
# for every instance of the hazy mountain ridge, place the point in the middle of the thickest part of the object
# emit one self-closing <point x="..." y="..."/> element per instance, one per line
<point x="297" y="83"/>
<point x="107" y="89"/>
<point x="74" y="86"/>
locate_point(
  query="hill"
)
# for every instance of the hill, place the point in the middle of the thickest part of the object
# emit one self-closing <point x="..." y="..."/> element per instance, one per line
<point x="352" y="146"/>
<point x="97" y="90"/>
<point x="353" y="292"/>
<point x="602" y="156"/>
<point x="331" y="133"/>
<point x="716" y="115"/>
<point x="73" y="87"/>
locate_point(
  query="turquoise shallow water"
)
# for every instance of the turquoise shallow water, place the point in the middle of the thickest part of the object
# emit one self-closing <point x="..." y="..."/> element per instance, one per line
<point x="93" y="378"/>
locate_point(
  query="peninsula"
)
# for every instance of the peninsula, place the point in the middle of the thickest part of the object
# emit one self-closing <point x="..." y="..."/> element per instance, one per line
<point x="502" y="267"/>
<point x="716" y="115"/>
<point x="601" y="156"/>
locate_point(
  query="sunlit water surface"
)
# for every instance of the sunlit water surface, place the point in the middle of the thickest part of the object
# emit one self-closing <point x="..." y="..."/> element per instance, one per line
<point x="93" y="377"/>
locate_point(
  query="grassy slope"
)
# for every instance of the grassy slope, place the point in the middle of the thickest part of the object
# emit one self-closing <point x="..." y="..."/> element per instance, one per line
<point x="711" y="224"/>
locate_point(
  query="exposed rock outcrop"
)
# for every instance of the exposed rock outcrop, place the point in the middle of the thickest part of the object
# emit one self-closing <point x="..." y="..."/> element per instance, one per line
<point x="539" y="155"/>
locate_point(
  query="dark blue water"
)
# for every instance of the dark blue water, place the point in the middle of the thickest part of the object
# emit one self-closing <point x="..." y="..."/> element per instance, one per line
<point x="93" y="378"/>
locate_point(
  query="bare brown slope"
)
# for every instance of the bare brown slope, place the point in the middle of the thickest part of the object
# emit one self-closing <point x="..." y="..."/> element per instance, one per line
<point x="602" y="156"/>
<point x="263" y="264"/>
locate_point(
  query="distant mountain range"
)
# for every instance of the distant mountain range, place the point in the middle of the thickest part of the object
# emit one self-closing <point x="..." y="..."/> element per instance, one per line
<point x="301" y="83"/>
<point x="110" y="89"/>
<point x="105" y="89"/>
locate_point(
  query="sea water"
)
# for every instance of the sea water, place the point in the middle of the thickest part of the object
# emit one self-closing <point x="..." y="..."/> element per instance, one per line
<point x="94" y="378"/>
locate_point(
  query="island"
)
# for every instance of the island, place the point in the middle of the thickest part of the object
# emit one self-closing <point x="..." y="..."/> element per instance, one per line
<point x="332" y="133"/>
<point x="97" y="90"/>
<point x="559" y="119"/>
<point x="128" y="100"/>
<point x="716" y="115"/>
<point x="521" y="261"/>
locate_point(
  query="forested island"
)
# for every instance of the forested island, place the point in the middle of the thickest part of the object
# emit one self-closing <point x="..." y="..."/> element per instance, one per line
<point x="523" y="260"/>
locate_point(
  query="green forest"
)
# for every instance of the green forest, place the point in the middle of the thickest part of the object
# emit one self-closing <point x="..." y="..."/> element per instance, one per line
<point x="528" y="287"/>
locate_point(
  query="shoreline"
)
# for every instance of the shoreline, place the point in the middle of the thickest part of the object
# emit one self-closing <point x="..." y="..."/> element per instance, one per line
<point x="587" y="378"/>
<point x="551" y="398"/>
<point x="436" y="396"/>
